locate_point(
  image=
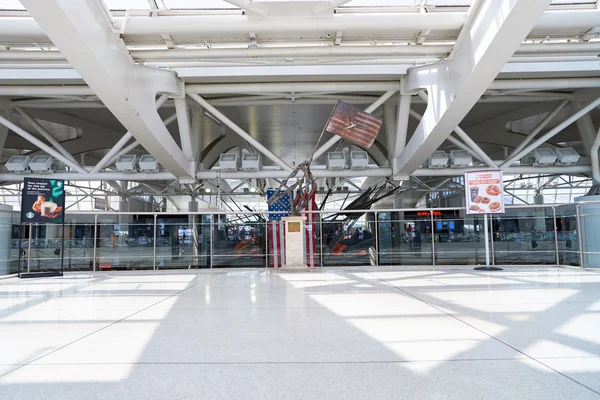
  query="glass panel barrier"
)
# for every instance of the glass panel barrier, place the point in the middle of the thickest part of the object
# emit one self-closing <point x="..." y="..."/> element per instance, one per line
<point x="459" y="238"/>
<point x="589" y="219"/>
<point x="349" y="239"/>
<point x="238" y="240"/>
<point x="175" y="241"/>
<point x="568" y="242"/>
<point x="6" y="261"/>
<point x="405" y="238"/>
<point x="125" y="241"/>
<point x="42" y="247"/>
<point x="524" y="236"/>
<point x="79" y="243"/>
<point x="13" y="263"/>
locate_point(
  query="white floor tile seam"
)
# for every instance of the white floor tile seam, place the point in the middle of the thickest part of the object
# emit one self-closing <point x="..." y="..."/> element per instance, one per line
<point x="382" y="268"/>
<point x="396" y="361"/>
<point x="367" y="362"/>
<point x="537" y="360"/>
<point x="32" y="362"/>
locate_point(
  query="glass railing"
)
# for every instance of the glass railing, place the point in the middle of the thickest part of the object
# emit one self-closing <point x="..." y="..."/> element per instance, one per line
<point x="524" y="235"/>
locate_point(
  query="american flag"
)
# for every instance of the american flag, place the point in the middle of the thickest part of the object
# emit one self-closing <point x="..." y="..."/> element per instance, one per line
<point x="310" y="240"/>
<point x="355" y="126"/>
<point x="277" y="229"/>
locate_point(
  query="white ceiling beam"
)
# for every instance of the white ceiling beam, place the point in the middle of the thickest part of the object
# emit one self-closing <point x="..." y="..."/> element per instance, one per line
<point x="23" y="29"/>
<point x="269" y="87"/>
<point x="326" y="6"/>
<point x="40" y="129"/>
<point x="95" y="136"/>
<point x="454" y="87"/>
<point x="469" y="143"/>
<point x="41" y="145"/>
<point x="93" y="48"/>
<point x="250" y="6"/>
<point x="245" y="135"/>
<point x="399" y="141"/>
<point x="183" y="122"/>
<point x="585" y="125"/>
<point x="197" y="133"/>
<point x="122" y="142"/>
<point x="274" y="174"/>
<point x="389" y="123"/>
<point x="6" y="111"/>
<point x="552" y="132"/>
<point x="112" y="152"/>
<point x="591" y="34"/>
<point x="538" y="128"/>
<point x="526" y="49"/>
<point x="126" y="150"/>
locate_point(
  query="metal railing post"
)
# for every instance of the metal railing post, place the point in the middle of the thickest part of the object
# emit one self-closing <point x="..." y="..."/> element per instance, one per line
<point x="432" y="238"/>
<point x="555" y="236"/>
<point x="321" y="229"/>
<point x="154" y="246"/>
<point x="29" y="249"/>
<point x="493" y="248"/>
<point x="376" y="239"/>
<point x="210" y="259"/>
<point x="95" y="242"/>
<point x="267" y="242"/>
<point x="579" y="236"/>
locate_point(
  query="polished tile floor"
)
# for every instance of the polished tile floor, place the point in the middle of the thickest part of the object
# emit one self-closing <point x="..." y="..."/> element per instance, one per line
<point x="347" y="333"/>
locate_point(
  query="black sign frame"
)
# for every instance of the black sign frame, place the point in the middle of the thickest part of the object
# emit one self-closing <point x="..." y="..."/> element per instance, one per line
<point x="42" y="202"/>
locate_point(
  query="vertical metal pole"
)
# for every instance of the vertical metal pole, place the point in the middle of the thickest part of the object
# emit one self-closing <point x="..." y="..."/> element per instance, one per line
<point x="266" y="236"/>
<point x="62" y="251"/>
<point x="555" y="235"/>
<point x="376" y="240"/>
<point x="432" y="239"/>
<point x="211" y="240"/>
<point x="95" y="242"/>
<point x="487" y="240"/>
<point x="19" y="266"/>
<point x="29" y="248"/>
<point x="154" y="246"/>
<point x="492" y="241"/>
<point x="579" y="236"/>
<point x="321" y="230"/>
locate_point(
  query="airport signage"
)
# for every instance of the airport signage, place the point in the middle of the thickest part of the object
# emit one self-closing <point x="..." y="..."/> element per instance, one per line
<point x="43" y="201"/>
<point x="484" y="192"/>
<point x="428" y="213"/>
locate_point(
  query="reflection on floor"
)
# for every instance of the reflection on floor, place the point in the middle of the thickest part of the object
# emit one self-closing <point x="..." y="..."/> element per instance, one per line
<point x="351" y="333"/>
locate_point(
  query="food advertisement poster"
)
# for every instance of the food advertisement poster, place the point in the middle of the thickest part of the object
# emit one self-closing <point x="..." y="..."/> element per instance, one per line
<point x="484" y="192"/>
<point x="43" y="201"/>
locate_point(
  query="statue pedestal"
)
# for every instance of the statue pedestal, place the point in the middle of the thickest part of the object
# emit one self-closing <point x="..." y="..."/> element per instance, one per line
<point x="294" y="242"/>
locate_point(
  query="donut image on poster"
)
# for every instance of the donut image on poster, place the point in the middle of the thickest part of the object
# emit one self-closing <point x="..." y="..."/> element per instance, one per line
<point x="495" y="206"/>
<point x="493" y="190"/>
<point x="484" y="194"/>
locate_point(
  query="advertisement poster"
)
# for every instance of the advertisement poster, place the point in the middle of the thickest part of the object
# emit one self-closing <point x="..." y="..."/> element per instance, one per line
<point x="484" y="192"/>
<point x="43" y="201"/>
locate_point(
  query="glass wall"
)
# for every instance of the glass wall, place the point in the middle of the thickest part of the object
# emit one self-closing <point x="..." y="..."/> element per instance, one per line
<point x="589" y="218"/>
<point x="566" y="235"/>
<point x="405" y="238"/>
<point x="79" y="242"/>
<point x="412" y="237"/>
<point x="239" y="240"/>
<point x="459" y="239"/>
<point x="524" y="236"/>
<point x="349" y="239"/>
<point x="125" y="241"/>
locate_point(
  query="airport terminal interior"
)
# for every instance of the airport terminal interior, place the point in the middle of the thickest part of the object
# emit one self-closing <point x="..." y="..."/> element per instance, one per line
<point x="299" y="199"/>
